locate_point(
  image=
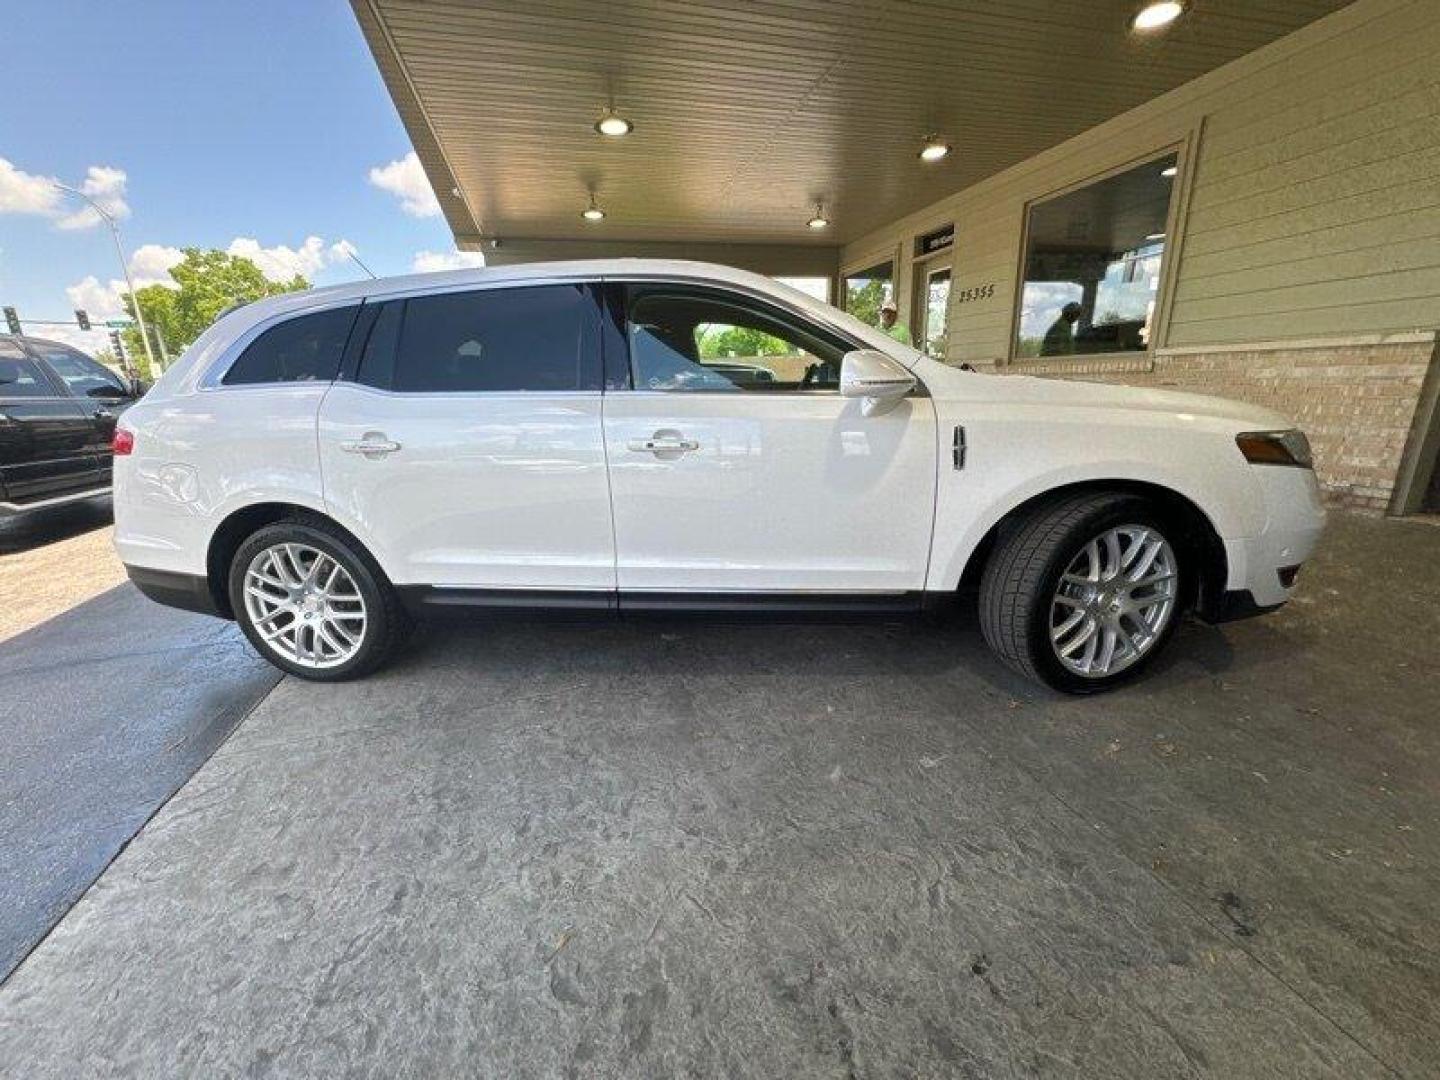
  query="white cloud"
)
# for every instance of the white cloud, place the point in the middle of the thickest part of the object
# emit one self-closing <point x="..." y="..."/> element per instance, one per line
<point x="26" y="193"/>
<point x="87" y="341"/>
<point x="405" y="179"/>
<point x="99" y="300"/>
<point x="29" y="193"/>
<point x="281" y="263"/>
<point x="149" y="265"/>
<point x="427" y="262"/>
<point x="106" y="186"/>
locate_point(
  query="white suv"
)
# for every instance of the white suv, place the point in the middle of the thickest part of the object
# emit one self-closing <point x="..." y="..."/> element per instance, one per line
<point x="647" y="435"/>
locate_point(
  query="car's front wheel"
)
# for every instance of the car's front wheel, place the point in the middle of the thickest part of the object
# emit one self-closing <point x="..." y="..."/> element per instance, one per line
<point x="313" y="603"/>
<point x="1084" y="593"/>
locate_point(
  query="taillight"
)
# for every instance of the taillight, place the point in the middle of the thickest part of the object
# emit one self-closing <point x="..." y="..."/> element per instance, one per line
<point x="122" y="442"/>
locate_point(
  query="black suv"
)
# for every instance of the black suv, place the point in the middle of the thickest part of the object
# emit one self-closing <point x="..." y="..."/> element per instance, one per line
<point x="57" y="415"/>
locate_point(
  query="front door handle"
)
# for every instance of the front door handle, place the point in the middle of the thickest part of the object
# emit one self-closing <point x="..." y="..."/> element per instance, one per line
<point x="372" y="445"/>
<point x="663" y="442"/>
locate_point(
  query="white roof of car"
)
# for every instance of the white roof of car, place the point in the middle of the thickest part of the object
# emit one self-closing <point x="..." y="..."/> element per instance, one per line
<point x="582" y="269"/>
<point x="235" y="323"/>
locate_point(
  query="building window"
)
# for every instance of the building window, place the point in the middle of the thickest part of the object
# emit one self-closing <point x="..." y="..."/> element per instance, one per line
<point x="818" y="287"/>
<point x="1092" y="265"/>
<point x="866" y="290"/>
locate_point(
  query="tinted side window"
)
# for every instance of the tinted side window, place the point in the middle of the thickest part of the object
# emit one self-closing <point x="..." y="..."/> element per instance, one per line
<point x="303" y="349"/>
<point x="377" y="358"/>
<point x="19" y="377"/>
<point x="693" y="339"/>
<point x="542" y="337"/>
<point x="83" y="377"/>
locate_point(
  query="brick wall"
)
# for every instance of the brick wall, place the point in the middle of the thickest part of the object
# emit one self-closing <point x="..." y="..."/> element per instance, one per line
<point x="1355" y="399"/>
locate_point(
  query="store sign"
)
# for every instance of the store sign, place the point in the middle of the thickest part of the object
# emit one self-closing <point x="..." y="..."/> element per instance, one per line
<point x="935" y="241"/>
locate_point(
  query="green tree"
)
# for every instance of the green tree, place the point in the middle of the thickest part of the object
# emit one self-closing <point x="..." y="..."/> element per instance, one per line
<point x="209" y="282"/>
<point x="720" y="341"/>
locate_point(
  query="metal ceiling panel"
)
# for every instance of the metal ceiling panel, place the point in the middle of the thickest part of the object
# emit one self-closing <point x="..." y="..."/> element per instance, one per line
<point x="749" y="113"/>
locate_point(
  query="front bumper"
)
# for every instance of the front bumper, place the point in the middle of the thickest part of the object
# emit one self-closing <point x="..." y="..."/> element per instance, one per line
<point x="1261" y="566"/>
<point x="1235" y="604"/>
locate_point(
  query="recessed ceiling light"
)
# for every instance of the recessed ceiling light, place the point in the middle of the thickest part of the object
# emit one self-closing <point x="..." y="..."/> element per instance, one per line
<point x="1155" y="16"/>
<point x="592" y="212"/>
<point x="613" y="124"/>
<point x="819" y="221"/>
<point x="934" y="149"/>
<point x="1169" y="171"/>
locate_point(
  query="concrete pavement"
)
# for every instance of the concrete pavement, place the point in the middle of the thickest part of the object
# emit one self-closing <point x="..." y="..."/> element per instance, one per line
<point x="106" y="708"/>
<point x="656" y="850"/>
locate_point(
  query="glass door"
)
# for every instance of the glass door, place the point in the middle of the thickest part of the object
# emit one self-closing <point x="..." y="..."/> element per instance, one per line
<point x="934" y="303"/>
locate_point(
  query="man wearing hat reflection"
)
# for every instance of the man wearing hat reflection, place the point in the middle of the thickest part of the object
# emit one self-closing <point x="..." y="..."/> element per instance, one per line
<point x="889" y="322"/>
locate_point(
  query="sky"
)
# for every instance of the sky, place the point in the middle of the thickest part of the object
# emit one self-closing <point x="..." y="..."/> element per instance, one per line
<point x="260" y="128"/>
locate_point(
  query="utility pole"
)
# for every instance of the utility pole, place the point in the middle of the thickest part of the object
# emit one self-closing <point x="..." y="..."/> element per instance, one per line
<point x="124" y="266"/>
<point x="164" y="355"/>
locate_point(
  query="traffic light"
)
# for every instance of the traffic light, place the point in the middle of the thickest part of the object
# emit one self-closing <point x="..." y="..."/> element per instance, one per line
<point x="12" y="320"/>
<point x="82" y="318"/>
<point x="115" y="345"/>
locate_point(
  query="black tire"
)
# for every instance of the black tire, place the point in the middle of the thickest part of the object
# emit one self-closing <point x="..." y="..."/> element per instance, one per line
<point x="386" y="624"/>
<point x="1024" y="570"/>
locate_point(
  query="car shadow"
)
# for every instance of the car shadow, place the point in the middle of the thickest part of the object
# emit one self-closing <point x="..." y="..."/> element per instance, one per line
<point x="38" y="528"/>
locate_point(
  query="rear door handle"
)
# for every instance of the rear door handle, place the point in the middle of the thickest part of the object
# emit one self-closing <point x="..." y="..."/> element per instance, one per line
<point x="663" y="442"/>
<point x="373" y="444"/>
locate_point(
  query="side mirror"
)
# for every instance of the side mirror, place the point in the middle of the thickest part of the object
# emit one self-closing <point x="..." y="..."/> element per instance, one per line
<point x="881" y="381"/>
<point x="136" y="387"/>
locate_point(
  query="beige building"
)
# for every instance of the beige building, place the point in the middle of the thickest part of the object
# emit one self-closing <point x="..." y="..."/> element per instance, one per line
<point x="1245" y="202"/>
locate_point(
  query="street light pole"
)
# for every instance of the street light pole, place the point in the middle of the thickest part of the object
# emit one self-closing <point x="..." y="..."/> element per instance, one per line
<point x="124" y="266"/>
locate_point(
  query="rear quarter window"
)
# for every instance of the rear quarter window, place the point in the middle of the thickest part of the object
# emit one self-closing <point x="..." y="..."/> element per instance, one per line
<point x="307" y="348"/>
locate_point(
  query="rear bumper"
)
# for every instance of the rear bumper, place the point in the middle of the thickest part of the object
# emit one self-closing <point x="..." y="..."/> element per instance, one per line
<point x="190" y="592"/>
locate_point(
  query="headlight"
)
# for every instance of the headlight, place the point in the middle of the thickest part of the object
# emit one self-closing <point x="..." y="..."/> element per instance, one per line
<point x="1275" y="448"/>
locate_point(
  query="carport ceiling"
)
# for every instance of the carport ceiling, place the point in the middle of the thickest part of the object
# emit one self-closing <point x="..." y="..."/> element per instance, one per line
<point x="747" y="114"/>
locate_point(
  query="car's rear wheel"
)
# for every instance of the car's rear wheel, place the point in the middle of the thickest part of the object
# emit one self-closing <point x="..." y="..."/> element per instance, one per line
<point x="1084" y="593"/>
<point x="313" y="603"/>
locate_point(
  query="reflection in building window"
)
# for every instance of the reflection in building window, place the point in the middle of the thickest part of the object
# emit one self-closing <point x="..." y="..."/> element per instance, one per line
<point x="1092" y="265"/>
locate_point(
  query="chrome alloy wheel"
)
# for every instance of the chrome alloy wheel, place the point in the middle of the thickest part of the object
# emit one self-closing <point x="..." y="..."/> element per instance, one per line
<point x="1114" y="601"/>
<point x="304" y="605"/>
